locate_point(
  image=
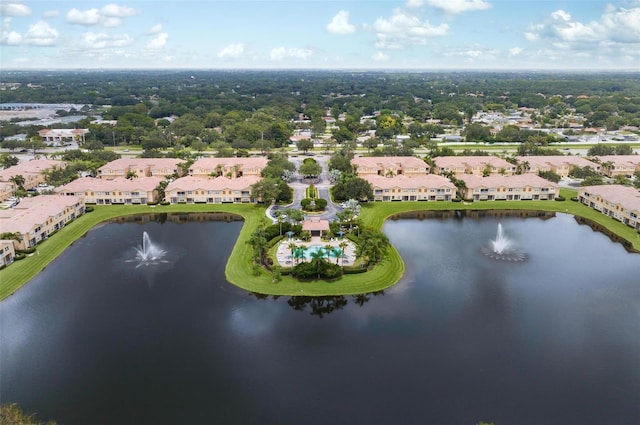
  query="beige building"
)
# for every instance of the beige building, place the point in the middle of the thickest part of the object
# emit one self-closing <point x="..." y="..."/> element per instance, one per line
<point x="428" y="187"/>
<point x="62" y="136"/>
<point x="560" y="165"/>
<point x="34" y="219"/>
<point x="207" y="190"/>
<point x="141" y="167"/>
<point x="7" y="189"/>
<point x="32" y="172"/>
<point x="619" y="165"/>
<point x="116" y="191"/>
<point x="477" y="165"/>
<point x="619" y="202"/>
<point x="7" y="252"/>
<point x="227" y="167"/>
<point x="508" y="188"/>
<point x="389" y="166"/>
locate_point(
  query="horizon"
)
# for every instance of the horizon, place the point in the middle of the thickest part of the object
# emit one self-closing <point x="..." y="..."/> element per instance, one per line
<point x="384" y="35"/>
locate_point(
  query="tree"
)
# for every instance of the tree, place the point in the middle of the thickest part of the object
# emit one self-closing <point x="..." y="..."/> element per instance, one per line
<point x="7" y="160"/>
<point x="292" y="246"/>
<point x="353" y="188"/>
<point x="266" y="190"/>
<point x="343" y="251"/>
<point x="18" y="180"/>
<point x="304" y="145"/>
<point x="549" y="175"/>
<point x="310" y="169"/>
<point x="477" y="133"/>
<point x="258" y="241"/>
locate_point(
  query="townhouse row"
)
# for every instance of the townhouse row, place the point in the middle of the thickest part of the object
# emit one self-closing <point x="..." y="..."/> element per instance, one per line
<point x="619" y="202"/>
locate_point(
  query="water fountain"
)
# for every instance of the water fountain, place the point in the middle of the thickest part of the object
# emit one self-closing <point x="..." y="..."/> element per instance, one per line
<point x="501" y="248"/>
<point x="148" y="254"/>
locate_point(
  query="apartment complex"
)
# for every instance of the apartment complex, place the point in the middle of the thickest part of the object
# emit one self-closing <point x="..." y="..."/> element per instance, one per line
<point x="140" y="167"/>
<point x="389" y="166"/>
<point x="560" y="165"/>
<point x="508" y="188"/>
<point x="216" y="190"/>
<point x="427" y="187"/>
<point x="619" y="165"/>
<point x="619" y="202"/>
<point x="477" y="165"/>
<point x="228" y="167"/>
<point x="115" y="191"/>
<point x="7" y="252"/>
<point x="62" y="136"/>
<point x="32" y="172"/>
<point x="34" y="219"/>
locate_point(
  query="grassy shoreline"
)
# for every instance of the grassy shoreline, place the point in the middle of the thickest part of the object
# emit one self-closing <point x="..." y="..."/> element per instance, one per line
<point x="238" y="270"/>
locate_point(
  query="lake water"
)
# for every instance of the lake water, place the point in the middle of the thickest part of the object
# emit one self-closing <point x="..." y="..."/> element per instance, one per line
<point x="462" y="338"/>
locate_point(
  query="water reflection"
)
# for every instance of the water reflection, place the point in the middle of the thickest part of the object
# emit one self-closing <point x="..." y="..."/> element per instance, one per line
<point x="322" y="306"/>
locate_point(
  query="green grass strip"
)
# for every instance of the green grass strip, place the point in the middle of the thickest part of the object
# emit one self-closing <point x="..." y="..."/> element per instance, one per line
<point x="239" y="265"/>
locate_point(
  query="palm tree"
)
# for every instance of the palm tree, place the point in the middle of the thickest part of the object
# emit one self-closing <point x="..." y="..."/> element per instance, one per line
<point x="328" y="249"/>
<point x="300" y="251"/>
<point x="317" y="257"/>
<point x="337" y="253"/>
<point x="18" y="180"/>
<point x="292" y="246"/>
<point x="343" y="251"/>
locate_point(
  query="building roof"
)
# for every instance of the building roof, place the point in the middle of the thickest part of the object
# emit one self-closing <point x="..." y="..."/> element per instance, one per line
<point x="124" y="163"/>
<point x="62" y="132"/>
<point x="244" y="163"/>
<point x="83" y="184"/>
<point x="625" y="196"/>
<point x="558" y="161"/>
<point x="472" y="161"/>
<point x="389" y="162"/>
<point x="627" y="160"/>
<point x="32" y="211"/>
<point x="217" y="183"/>
<point x="315" y="224"/>
<point x="35" y="166"/>
<point x="521" y="180"/>
<point x="409" y="182"/>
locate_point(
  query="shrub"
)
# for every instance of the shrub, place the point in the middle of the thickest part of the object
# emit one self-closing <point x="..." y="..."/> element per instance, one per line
<point x="560" y="198"/>
<point x="305" y="203"/>
<point x="19" y="257"/>
<point x="575" y="199"/>
<point x="321" y="203"/>
<point x="88" y="209"/>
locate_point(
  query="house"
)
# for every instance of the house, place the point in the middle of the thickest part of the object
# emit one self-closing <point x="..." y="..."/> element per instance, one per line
<point x="36" y="218"/>
<point x="228" y="167"/>
<point x="7" y="252"/>
<point x="114" y="191"/>
<point x="426" y="187"/>
<point x="478" y="165"/>
<point x="560" y="165"/>
<point x="316" y="227"/>
<point x="218" y="190"/>
<point x="140" y="167"/>
<point x="619" y="165"/>
<point x="508" y="188"/>
<point x="617" y="201"/>
<point x="32" y="171"/>
<point x="389" y="166"/>
<point x="62" y="136"/>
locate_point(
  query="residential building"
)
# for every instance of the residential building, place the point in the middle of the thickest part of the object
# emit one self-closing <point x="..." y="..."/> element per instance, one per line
<point x="215" y="190"/>
<point x="619" y="165"/>
<point x="426" y="187"/>
<point x="7" y="190"/>
<point x="140" y="167"/>
<point x="508" y="188"/>
<point x="116" y="191"/>
<point x="32" y="171"/>
<point x="477" y="165"/>
<point x="389" y="166"/>
<point x="62" y="136"/>
<point x="36" y="218"/>
<point x="560" y="165"/>
<point x="228" y="167"/>
<point x="617" y="201"/>
<point x="7" y="252"/>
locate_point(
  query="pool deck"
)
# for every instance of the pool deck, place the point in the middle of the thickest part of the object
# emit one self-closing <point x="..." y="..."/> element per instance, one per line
<point x="284" y="253"/>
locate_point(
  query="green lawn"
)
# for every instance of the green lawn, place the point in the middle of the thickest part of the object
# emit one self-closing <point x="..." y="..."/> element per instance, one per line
<point x="239" y="271"/>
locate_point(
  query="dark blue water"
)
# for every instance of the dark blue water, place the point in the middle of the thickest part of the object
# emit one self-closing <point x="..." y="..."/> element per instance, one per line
<point x="462" y="338"/>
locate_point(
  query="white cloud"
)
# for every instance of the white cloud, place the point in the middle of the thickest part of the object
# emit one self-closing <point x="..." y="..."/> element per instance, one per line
<point x="93" y="40"/>
<point x="340" y="24"/>
<point x="10" y="38"/>
<point x="415" y="3"/>
<point x="402" y="29"/>
<point x="280" y="53"/>
<point x="157" y="28"/>
<point x="561" y="15"/>
<point x="14" y="9"/>
<point x="380" y="56"/>
<point x="109" y="16"/>
<point x="41" y="34"/>
<point x="459" y="6"/>
<point x="515" y="51"/>
<point x="159" y="41"/>
<point x="232" y="51"/>
<point x="51" y="13"/>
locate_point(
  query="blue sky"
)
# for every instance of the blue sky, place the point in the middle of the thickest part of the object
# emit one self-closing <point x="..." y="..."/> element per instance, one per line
<point x="331" y="34"/>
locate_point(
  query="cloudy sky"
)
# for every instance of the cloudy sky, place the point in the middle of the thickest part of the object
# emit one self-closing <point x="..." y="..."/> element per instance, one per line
<point x="333" y="34"/>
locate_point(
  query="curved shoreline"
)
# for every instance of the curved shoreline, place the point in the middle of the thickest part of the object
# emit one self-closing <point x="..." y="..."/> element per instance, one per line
<point x="238" y="270"/>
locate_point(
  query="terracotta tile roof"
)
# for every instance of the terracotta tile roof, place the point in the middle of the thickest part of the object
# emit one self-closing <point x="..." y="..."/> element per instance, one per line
<point x="557" y="161"/>
<point x="35" y="166"/>
<point x="217" y="183"/>
<point x="625" y="196"/>
<point x="385" y="162"/>
<point x="244" y="163"/>
<point x="472" y="161"/>
<point x="142" y="184"/>
<point x="33" y="211"/>
<point x="125" y="163"/>
<point x="627" y="160"/>
<point x="495" y="181"/>
<point x="409" y="182"/>
<point x="315" y="224"/>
